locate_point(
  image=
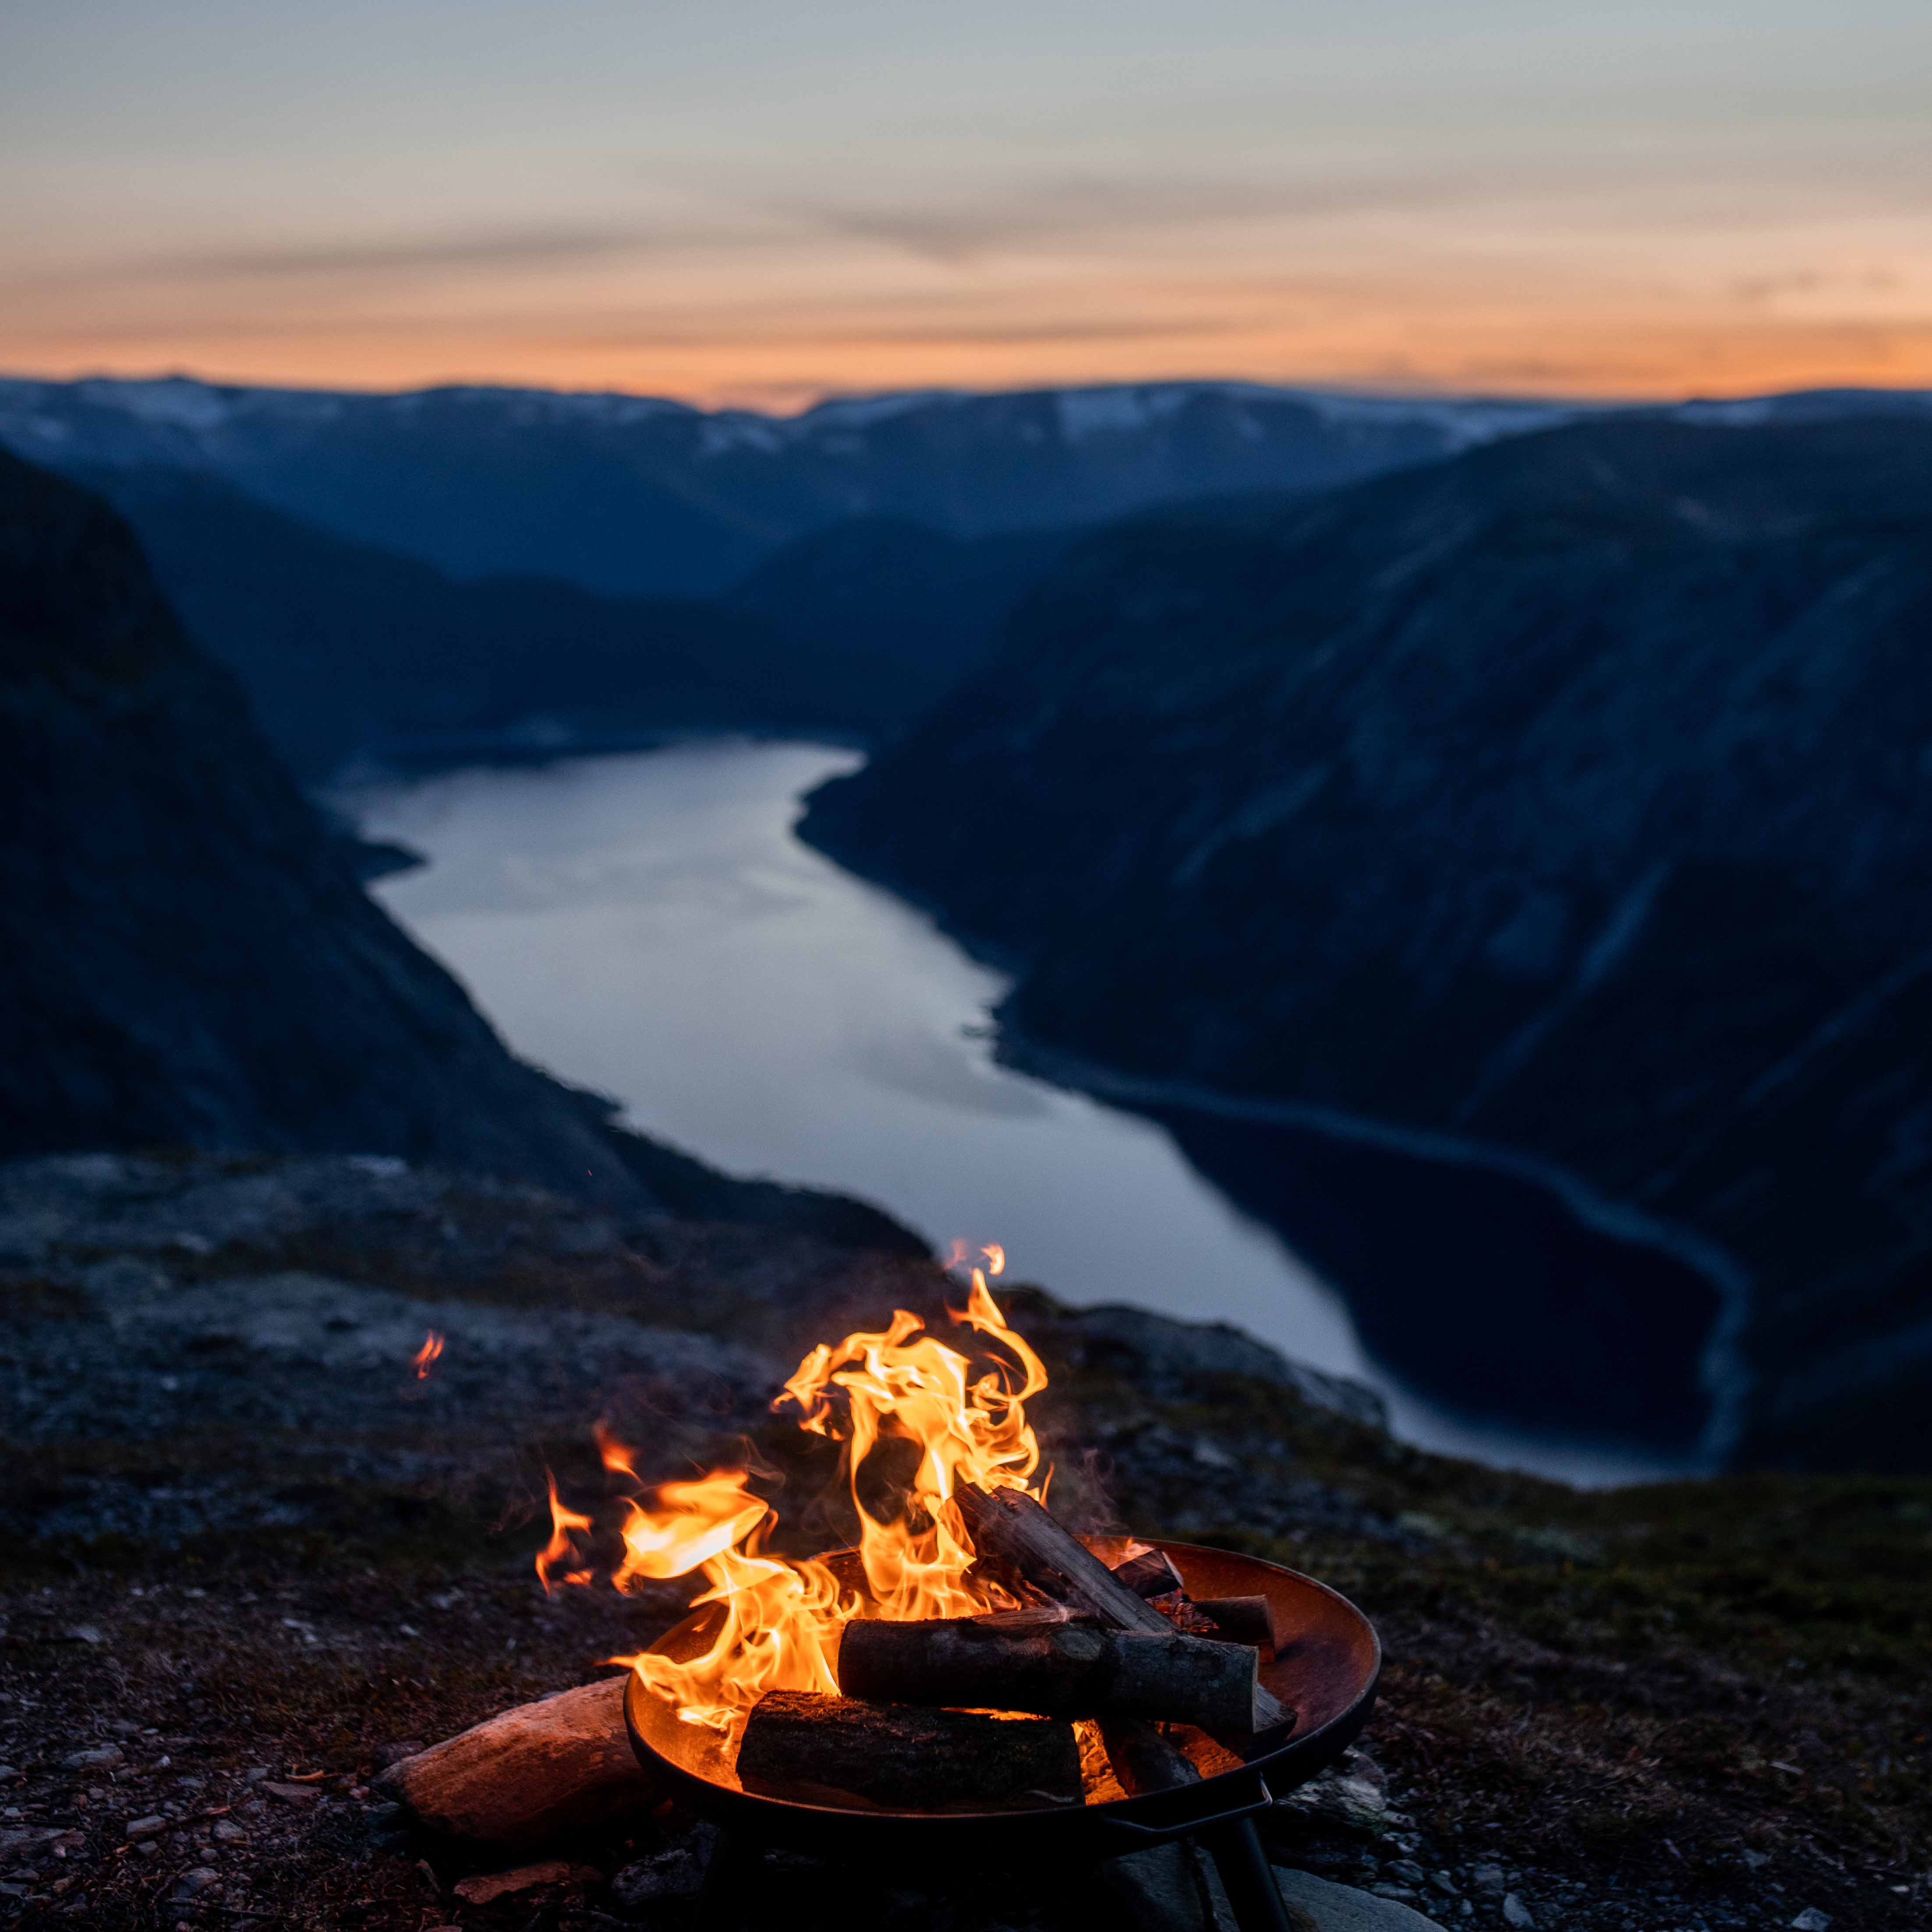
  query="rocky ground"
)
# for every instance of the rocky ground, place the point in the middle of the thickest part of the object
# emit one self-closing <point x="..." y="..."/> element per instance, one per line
<point x="247" y="1554"/>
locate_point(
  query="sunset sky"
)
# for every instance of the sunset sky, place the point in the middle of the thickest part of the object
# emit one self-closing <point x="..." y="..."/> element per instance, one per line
<point x="763" y="201"/>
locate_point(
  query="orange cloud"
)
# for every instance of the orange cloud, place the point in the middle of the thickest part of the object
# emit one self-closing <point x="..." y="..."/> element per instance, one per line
<point x="1492" y="288"/>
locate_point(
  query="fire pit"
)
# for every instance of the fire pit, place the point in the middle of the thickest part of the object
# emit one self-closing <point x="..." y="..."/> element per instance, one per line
<point x="970" y="1676"/>
<point x="1326" y="1671"/>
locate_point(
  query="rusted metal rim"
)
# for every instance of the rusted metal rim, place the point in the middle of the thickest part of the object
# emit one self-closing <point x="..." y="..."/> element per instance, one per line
<point x="1326" y="1672"/>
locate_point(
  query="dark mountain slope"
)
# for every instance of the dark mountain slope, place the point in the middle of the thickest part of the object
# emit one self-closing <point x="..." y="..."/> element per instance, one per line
<point x="1574" y="797"/>
<point x="187" y="957"/>
<point x="896" y="609"/>
<point x="347" y="649"/>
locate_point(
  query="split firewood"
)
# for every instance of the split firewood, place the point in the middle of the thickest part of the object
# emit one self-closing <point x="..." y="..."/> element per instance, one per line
<point x="1014" y="1527"/>
<point x="1241" y="1619"/>
<point x="530" y="1774"/>
<point x="1028" y="1617"/>
<point x="1071" y="1670"/>
<point x="1151" y="1573"/>
<point x="803" y="1743"/>
<point x="1144" y="1758"/>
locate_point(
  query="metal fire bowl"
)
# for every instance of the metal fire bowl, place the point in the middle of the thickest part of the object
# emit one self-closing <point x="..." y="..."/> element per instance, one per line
<point x="1326" y="1671"/>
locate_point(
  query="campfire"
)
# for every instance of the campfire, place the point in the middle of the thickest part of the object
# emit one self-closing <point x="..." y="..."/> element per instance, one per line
<point x="967" y="1682"/>
<point x="967" y="1651"/>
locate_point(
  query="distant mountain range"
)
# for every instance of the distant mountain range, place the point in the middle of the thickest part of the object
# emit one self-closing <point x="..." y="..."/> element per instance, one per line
<point x="636" y="496"/>
<point x="1571" y="798"/>
<point x="461" y="573"/>
<point x="348" y="651"/>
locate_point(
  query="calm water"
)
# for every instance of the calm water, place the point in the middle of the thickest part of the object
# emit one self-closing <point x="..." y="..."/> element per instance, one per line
<point x="646" y="925"/>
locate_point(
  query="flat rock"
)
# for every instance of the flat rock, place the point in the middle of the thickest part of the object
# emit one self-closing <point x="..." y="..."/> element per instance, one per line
<point x="1175" y="1887"/>
<point x="1168" y="1349"/>
<point x="1329" y="1907"/>
<point x="102" y="1757"/>
<point x="676" y="1872"/>
<point x="525" y="1878"/>
<point x="1167" y="1888"/>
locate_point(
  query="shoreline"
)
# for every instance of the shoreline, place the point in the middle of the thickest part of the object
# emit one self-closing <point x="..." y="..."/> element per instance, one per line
<point x="1721" y="1374"/>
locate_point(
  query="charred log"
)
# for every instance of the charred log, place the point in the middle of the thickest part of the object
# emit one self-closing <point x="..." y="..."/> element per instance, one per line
<point x="1144" y="1758"/>
<point x="1012" y="1526"/>
<point x="902" y="1757"/>
<point x="1151" y="1573"/>
<point x="1248" y="1620"/>
<point x="1071" y="1670"/>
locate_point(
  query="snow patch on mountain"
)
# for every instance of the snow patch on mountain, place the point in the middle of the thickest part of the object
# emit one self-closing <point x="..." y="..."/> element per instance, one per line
<point x="1120" y="412"/>
<point x="857" y="413"/>
<point x="178" y="401"/>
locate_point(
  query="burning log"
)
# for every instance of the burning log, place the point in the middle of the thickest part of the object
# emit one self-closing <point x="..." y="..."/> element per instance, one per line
<point x="1066" y="1670"/>
<point x="1249" y="1620"/>
<point x="1013" y="1527"/>
<point x="1151" y="1573"/>
<point x="1144" y="1758"/>
<point x="530" y="1774"/>
<point x="799" y="1743"/>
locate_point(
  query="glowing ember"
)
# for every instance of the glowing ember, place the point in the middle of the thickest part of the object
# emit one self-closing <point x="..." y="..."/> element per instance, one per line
<point x="782" y="1616"/>
<point x="432" y="1347"/>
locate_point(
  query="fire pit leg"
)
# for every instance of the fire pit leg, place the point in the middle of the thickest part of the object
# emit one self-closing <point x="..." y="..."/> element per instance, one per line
<point x="729" y="1879"/>
<point x="1252" y="1894"/>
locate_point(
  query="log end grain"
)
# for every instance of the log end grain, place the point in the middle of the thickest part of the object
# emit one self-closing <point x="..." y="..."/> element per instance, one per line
<point x="1249" y="1620"/>
<point x="1151" y="1573"/>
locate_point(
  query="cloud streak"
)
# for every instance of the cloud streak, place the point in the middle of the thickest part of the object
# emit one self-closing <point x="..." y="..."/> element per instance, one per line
<point x="380" y="258"/>
<point x="413" y="255"/>
<point x="1056" y="210"/>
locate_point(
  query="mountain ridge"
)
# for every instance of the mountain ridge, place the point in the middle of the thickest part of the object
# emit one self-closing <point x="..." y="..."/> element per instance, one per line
<point x="187" y="958"/>
<point x="353" y="652"/>
<point x="640" y="495"/>
<point x="1568" y="796"/>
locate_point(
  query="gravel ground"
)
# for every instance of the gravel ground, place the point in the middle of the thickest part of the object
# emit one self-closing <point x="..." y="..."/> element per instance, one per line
<point x="247" y="1555"/>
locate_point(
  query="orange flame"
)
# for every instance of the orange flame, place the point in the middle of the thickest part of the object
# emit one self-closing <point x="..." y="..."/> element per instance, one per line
<point x="781" y="1617"/>
<point x="562" y="1523"/>
<point x="432" y="1347"/>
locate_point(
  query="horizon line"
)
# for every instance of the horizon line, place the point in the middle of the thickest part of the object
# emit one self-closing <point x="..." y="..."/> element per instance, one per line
<point x="1353" y="391"/>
